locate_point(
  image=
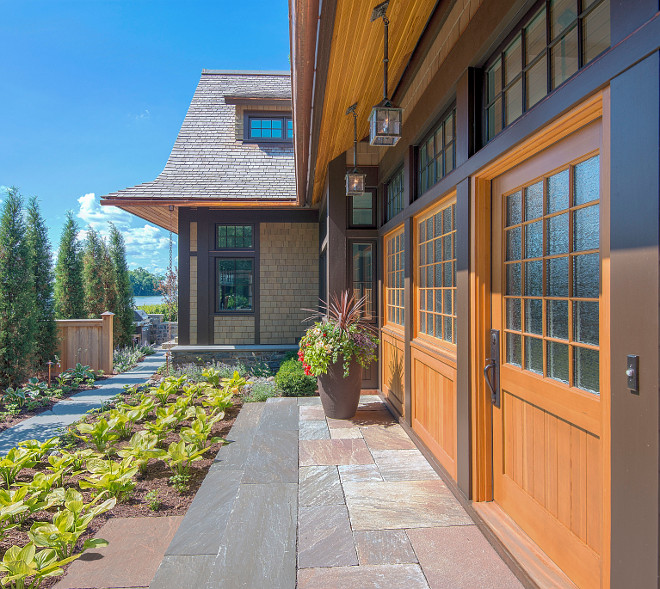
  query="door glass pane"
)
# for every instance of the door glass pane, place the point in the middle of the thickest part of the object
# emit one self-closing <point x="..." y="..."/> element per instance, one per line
<point x="557" y="319"/>
<point x="448" y="302"/>
<point x="587" y="181"/>
<point x="448" y="327"/>
<point x="534" y="354"/>
<point x="586" y="369"/>
<point x="513" y="314"/>
<point x="596" y="31"/>
<point x="585" y="322"/>
<point x="558" y="192"/>
<point x="534" y="201"/>
<point x="564" y="58"/>
<point x="586" y="229"/>
<point x="514" y="209"/>
<point x="513" y="279"/>
<point x="534" y="316"/>
<point x="534" y="240"/>
<point x="513" y="349"/>
<point x="535" y="37"/>
<point x="534" y="278"/>
<point x="513" y="243"/>
<point x="537" y="82"/>
<point x="557" y="277"/>
<point x="586" y="276"/>
<point x="557" y="235"/>
<point x="363" y="276"/>
<point x="558" y="361"/>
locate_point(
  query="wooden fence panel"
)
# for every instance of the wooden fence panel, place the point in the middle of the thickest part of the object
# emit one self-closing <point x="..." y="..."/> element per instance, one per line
<point x="88" y="341"/>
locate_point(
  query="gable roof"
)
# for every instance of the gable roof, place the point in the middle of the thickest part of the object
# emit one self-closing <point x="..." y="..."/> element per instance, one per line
<point x="209" y="162"/>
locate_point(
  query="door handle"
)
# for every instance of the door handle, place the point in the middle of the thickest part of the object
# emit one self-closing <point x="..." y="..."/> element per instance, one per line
<point x="492" y="369"/>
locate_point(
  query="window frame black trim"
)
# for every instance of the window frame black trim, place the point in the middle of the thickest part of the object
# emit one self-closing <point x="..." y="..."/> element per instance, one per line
<point x="217" y="248"/>
<point x="257" y="114"/>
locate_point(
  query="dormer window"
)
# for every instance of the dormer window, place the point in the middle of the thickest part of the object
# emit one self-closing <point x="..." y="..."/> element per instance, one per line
<point x="261" y="126"/>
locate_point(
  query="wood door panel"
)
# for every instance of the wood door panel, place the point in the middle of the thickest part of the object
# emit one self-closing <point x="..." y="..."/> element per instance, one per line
<point x="393" y="375"/>
<point x="434" y="406"/>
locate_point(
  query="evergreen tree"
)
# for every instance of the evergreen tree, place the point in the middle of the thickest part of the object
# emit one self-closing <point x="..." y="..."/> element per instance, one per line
<point x="17" y="325"/>
<point x="123" y="321"/>
<point x="69" y="291"/>
<point x="109" y="280"/>
<point x="42" y="273"/>
<point x="93" y="275"/>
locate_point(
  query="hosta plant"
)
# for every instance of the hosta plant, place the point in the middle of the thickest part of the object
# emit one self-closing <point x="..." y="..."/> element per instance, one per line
<point x="120" y="423"/>
<point x="212" y="376"/>
<point x="69" y="524"/>
<point x="40" y="449"/>
<point x="16" y="504"/>
<point x="142" y="447"/>
<point x="25" y="568"/>
<point x="167" y="418"/>
<point x="14" y="462"/>
<point x="199" y="430"/>
<point x="100" y="434"/>
<point x="180" y="456"/>
<point x="115" y="478"/>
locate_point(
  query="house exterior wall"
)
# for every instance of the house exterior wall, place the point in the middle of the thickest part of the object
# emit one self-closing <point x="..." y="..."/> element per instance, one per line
<point x="289" y="282"/>
<point x="233" y="331"/>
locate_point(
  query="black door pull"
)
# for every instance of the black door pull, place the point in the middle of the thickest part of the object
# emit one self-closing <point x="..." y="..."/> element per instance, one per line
<point x="492" y="369"/>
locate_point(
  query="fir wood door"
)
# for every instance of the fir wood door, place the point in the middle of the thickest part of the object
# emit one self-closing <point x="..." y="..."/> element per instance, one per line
<point x="549" y="304"/>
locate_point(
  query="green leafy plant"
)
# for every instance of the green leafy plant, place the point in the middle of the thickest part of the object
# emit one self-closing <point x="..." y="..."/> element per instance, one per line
<point x="180" y="482"/>
<point x="120" y="423"/>
<point x="40" y="449"/>
<point x="13" y="463"/>
<point x="168" y="386"/>
<point x="142" y="447"/>
<point x="152" y="500"/>
<point x="20" y="564"/>
<point x="16" y="504"/>
<point x="34" y="387"/>
<point x="115" y="478"/>
<point x="180" y="456"/>
<point x="69" y="524"/>
<point x="81" y="373"/>
<point x="167" y="418"/>
<point x="99" y="433"/>
<point x="212" y="376"/>
<point x="14" y="396"/>
<point x="260" y="391"/>
<point x="293" y="381"/>
<point x="200" y="429"/>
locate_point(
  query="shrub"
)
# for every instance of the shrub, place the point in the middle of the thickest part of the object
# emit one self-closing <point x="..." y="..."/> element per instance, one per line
<point x="260" y="391"/>
<point x="293" y="381"/>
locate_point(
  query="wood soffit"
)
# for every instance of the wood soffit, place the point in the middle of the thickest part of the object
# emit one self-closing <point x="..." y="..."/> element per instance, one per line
<point x="355" y="72"/>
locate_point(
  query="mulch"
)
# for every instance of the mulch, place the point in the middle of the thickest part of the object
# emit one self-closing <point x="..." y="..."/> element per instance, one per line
<point x="156" y="478"/>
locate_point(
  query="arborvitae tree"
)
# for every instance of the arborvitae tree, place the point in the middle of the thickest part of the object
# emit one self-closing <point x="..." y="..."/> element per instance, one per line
<point x="42" y="272"/>
<point x="93" y="275"/>
<point x="123" y="321"/>
<point x="17" y="325"/>
<point x="109" y="280"/>
<point x="69" y="291"/>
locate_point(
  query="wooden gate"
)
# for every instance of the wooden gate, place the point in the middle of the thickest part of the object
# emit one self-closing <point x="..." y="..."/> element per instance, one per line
<point x="88" y="341"/>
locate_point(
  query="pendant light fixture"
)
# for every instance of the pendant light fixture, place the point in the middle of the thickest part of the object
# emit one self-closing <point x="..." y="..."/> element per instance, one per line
<point x="355" y="181"/>
<point x="386" y="118"/>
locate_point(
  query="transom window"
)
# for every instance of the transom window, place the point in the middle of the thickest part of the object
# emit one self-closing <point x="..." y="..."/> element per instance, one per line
<point x="436" y="275"/>
<point x="234" y="237"/>
<point x="552" y="276"/>
<point x="394" y="282"/>
<point x="362" y="212"/>
<point x="559" y="39"/>
<point x="269" y="127"/>
<point x="394" y="204"/>
<point x="437" y="153"/>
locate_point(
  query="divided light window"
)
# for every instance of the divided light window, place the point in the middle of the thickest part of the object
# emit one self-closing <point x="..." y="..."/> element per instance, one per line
<point x="394" y="204"/>
<point x="559" y="39"/>
<point x="269" y="127"/>
<point x="394" y="281"/>
<point x="437" y="153"/>
<point x="436" y="277"/>
<point x="234" y="237"/>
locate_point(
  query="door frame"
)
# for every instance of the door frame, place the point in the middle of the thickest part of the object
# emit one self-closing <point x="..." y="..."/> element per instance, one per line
<point x="593" y="108"/>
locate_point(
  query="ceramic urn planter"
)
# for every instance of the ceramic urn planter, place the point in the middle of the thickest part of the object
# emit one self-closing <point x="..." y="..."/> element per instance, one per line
<point x="340" y="396"/>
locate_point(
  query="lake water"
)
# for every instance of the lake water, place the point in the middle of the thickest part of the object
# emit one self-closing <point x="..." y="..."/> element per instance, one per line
<point x="153" y="300"/>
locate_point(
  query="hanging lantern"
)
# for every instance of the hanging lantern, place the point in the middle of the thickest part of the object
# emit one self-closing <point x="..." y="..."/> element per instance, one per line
<point x="355" y="181"/>
<point x="386" y="118"/>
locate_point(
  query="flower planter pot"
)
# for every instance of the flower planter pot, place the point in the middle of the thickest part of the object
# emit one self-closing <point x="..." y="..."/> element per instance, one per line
<point x="340" y="396"/>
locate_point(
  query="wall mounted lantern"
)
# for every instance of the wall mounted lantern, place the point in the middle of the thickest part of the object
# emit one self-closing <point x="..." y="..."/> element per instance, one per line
<point x="386" y="118"/>
<point x="355" y="181"/>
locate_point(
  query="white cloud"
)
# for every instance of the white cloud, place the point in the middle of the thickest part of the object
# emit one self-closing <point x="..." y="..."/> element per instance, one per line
<point x="97" y="216"/>
<point x="143" y="116"/>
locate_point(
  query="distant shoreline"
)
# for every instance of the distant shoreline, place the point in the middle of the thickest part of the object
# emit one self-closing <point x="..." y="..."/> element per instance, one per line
<point x="150" y="300"/>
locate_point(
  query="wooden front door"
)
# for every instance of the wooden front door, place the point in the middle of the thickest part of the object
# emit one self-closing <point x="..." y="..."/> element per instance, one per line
<point x="550" y="309"/>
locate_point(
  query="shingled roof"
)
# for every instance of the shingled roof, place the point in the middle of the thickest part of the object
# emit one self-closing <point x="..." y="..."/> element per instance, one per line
<point x="209" y="160"/>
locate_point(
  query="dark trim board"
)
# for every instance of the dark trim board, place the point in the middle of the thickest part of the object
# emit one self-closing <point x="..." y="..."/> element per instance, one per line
<point x="184" y="277"/>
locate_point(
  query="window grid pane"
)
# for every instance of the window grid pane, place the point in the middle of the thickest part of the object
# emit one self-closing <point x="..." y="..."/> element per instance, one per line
<point x="394" y="203"/>
<point x="437" y="274"/>
<point x="394" y="284"/>
<point x="234" y="237"/>
<point x="437" y="153"/>
<point x="234" y="284"/>
<point x="270" y="128"/>
<point x="551" y="300"/>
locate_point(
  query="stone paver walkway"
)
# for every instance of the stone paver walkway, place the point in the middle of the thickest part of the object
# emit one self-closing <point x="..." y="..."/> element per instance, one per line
<point x="298" y="500"/>
<point x="65" y="412"/>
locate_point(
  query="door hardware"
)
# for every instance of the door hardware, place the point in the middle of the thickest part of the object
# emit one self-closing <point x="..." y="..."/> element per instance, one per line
<point x="492" y="369"/>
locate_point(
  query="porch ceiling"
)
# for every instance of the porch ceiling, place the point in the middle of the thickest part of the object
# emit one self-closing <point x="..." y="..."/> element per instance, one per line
<point x="354" y="74"/>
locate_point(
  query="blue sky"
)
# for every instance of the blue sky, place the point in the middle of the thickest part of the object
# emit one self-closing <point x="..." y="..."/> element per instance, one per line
<point x="93" y="93"/>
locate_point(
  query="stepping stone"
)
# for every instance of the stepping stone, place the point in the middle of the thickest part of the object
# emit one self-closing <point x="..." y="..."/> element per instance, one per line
<point x="403" y="504"/>
<point x="363" y="418"/>
<point x="359" y="473"/>
<point x="460" y="557"/>
<point x="325" y="538"/>
<point x="314" y="412"/>
<point x="345" y="433"/>
<point x="387" y="437"/>
<point x="314" y="430"/>
<point x="384" y="547"/>
<point x="333" y="452"/>
<point x="319" y="485"/>
<point x="137" y="546"/>
<point x="403" y="465"/>
<point x="309" y="400"/>
<point x="409" y="576"/>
